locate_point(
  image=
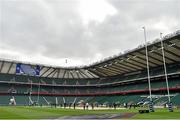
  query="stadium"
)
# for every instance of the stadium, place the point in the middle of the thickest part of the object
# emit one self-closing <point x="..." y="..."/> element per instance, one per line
<point x="112" y="85"/>
<point x="54" y="62"/>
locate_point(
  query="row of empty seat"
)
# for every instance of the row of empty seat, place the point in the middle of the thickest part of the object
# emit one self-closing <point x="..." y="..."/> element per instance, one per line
<point x="101" y="100"/>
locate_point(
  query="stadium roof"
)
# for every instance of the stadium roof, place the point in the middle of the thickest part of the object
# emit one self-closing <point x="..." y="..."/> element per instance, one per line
<point x="135" y="60"/>
<point x="128" y="62"/>
<point x="9" y="67"/>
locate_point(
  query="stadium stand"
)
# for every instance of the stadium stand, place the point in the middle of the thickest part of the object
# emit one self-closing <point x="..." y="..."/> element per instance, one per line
<point x="120" y="79"/>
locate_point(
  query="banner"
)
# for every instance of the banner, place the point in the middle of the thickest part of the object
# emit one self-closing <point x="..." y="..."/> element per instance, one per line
<point x="27" y="69"/>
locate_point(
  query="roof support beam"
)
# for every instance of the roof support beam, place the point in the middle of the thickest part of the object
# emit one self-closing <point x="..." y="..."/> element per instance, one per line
<point x="115" y="70"/>
<point x="10" y="67"/>
<point x="72" y="74"/>
<point x="101" y="72"/>
<point x="2" y="65"/>
<point x="64" y="74"/>
<point x="45" y="71"/>
<point x="59" y="70"/>
<point x="156" y="51"/>
<point x="143" y="59"/>
<point x="167" y="51"/>
<point x="55" y="73"/>
<point x="119" y="68"/>
<point x="42" y="67"/>
<point x="154" y="58"/>
<point x="175" y="46"/>
<point x="108" y="71"/>
<point x="91" y="74"/>
<point x="126" y="67"/>
<point x="81" y="74"/>
<point x="140" y="63"/>
<point x="125" y="63"/>
<point x="168" y="58"/>
<point x="135" y="66"/>
<point x="97" y="72"/>
<point x="51" y="73"/>
<point x="111" y="69"/>
<point x="77" y="72"/>
<point x="67" y="73"/>
<point x="84" y="74"/>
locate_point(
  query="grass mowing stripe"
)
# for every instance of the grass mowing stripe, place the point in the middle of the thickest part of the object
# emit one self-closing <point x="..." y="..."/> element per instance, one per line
<point x="5" y="113"/>
<point x="159" y="114"/>
<point x="17" y="112"/>
<point x="22" y="112"/>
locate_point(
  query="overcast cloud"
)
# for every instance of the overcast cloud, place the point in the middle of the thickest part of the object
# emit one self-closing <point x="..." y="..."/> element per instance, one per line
<point x="50" y="31"/>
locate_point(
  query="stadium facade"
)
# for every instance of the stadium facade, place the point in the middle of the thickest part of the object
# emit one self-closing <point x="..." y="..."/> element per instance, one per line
<point x="119" y="79"/>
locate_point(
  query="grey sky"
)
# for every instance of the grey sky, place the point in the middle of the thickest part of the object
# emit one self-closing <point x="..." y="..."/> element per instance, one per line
<point x="50" y="31"/>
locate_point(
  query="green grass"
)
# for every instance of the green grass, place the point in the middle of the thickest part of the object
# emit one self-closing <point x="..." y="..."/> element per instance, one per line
<point x="13" y="112"/>
<point x="160" y="114"/>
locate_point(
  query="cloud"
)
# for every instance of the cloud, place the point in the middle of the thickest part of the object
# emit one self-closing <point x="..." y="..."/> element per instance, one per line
<point x="50" y="31"/>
